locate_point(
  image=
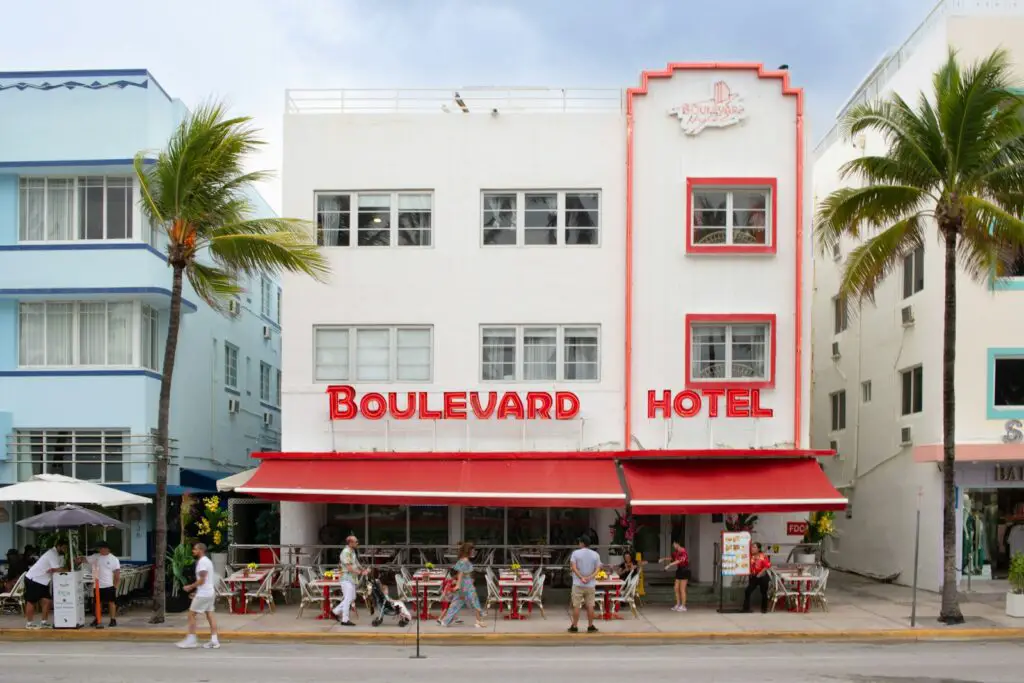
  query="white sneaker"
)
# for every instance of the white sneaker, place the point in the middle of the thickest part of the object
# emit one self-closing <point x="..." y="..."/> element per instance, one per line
<point x="683" y="608"/>
<point x="31" y="625"/>
<point x="212" y="645"/>
<point x="675" y="608"/>
<point x="188" y="644"/>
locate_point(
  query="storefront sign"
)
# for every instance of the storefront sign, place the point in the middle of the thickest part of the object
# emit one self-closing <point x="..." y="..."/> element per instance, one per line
<point x="796" y="528"/>
<point x="725" y="108"/>
<point x="452" y="405"/>
<point x="689" y="403"/>
<point x="735" y="553"/>
<point x="1013" y="431"/>
<point x="1009" y="473"/>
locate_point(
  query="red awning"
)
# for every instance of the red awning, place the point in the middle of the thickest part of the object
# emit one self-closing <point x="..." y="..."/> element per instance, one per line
<point x="566" y="482"/>
<point x="729" y="486"/>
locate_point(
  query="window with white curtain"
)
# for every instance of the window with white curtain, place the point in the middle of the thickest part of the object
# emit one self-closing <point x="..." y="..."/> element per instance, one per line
<point x="536" y="353"/>
<point x="381" y="219"/>
<point x="150" y="338"/>
<point x="77" y="333"/>
<point x="80" y="208"/>
<point x="266" y="295"/>
<point x="737" y="351"/>
<point x="543" y="217"/>
<point x="230" y="365"/>
<point x="373" y="354"/>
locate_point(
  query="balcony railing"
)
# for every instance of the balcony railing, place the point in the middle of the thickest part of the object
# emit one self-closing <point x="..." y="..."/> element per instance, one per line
<point x="109" y="456"/>
<point x="474" y="100"/>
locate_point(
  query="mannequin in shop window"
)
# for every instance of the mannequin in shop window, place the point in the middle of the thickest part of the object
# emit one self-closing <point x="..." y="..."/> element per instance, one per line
<point x="974" y="536"/>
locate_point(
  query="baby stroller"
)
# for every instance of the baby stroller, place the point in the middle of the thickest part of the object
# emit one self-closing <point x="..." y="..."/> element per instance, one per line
<point x="385" y="606"/>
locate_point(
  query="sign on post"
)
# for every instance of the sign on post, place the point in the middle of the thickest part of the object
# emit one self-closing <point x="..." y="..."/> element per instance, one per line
<point x="735" y="553"/>
<point x="796" y="528"/>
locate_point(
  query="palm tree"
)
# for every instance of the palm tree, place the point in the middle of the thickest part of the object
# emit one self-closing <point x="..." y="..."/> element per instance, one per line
<point x="194" y="193"/>
<point x="955" y="164"/>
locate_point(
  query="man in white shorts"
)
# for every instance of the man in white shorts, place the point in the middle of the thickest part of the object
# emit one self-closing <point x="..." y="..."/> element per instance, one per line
<point x="203" y="601"/>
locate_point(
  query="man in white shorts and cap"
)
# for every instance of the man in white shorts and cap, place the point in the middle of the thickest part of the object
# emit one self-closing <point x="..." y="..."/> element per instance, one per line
<point x="203" y="601"/>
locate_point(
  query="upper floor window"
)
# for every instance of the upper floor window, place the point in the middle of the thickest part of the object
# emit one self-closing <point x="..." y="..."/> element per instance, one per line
<point x="277" y="389"/>
<point x="88" y="454"/>
<point x="1008" y="381"/>
<point x="230" y="365"/>
<point x="838" y="401"/>
<point x="77" y="333"/>
<point x="265" y="382"/>
<point x="150" y="338"/>
<point x="83" y="208"/>
<point x="731" y="215"/>
<point x="266" y="296"/>
<point x="533" y="353"/>
<point x="277" y="310"/>
<point x="373" y="354"/>
<point x="912" y="391"/>
<point x="379" y="219"/>
<point x="840" y="314"/>
<point x="731" y="349"/>
<point x="913" y="272"/>
<point x="541" y="218"/>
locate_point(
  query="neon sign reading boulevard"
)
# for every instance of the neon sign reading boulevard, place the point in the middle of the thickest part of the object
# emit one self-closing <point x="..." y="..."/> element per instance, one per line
<point x="345" y="404"/>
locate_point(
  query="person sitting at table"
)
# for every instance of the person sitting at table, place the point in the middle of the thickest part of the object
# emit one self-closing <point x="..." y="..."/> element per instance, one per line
<point x="630" y="565"/>
<point x="680" y="561"/>
<point x="759" y="566"/>
<point x="465" y="591"/>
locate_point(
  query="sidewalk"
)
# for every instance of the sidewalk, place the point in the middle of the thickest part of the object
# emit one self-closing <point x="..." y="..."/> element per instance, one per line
<point x="858" y="609"/>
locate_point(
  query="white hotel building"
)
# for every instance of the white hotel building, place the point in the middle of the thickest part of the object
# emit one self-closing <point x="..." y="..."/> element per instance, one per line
<point x="546" y="305"/>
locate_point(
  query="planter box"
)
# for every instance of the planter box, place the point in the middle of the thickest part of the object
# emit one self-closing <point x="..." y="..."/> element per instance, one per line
<point x="805" y="558"/>
<point x="1015" y="605"/>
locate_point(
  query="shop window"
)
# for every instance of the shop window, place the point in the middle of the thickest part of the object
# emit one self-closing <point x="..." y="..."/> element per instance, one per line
<point x="527" y="526"/>
<point x="540" y="353"/>
<point x="387" y="524"/>
<point x="838" y="404"/>
<point x="428" y="525"/>
<point x="913" y="272"/>
<point x="381" y="219"/>
<point x="373" y="354"/>
<point x="484" y="525"/>
<point x="730" y="349"/>
<point x="541" y="218"/>
<point x="731" y="215"/>
<point x="840" y="314"/>
<point x="1009" y="382"/>
<point x="912" y="391"/>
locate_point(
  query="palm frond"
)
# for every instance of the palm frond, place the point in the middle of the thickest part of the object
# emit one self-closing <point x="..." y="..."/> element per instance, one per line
<point x="911" y="140"/>
<point x="876" y="258"/>
<point x="269" y="252"/>
<point x="853" y="210"/>
<point x="990" y="239"/>
<point x="212" y="284"/>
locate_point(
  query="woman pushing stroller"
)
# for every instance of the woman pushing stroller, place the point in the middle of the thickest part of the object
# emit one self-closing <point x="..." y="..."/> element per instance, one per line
<point x="464" y="592"/>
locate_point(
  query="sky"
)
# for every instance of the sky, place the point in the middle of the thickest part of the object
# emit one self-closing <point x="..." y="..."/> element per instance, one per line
<point x="248" y="52"/>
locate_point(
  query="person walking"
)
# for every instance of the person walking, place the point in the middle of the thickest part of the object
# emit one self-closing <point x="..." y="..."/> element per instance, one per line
<point x="584" y="564"/>
<point x="464" y="593"/>
<point x="107" y="570"/>
<point x="351" y="570"/>
<point x="37" y="583"/>
<point x="204" y="600"/>
<point x="680" y="560"/>
<point x="759" y="566"/>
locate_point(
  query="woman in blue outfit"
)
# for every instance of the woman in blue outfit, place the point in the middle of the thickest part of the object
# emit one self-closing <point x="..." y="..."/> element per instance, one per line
<point x="465" y="592"/>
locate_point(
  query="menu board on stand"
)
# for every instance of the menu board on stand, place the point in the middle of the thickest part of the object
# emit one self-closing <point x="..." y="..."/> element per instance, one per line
<point x="734" y="561"/>
<point x="68" y="600"/>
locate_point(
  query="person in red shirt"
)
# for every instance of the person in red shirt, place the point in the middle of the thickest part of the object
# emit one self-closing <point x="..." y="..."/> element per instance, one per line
<point x="680" y="560"/>
<point x="759" y="566"/>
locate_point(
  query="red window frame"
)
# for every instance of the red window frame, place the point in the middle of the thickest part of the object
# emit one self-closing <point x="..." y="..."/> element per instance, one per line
<point x="726" y="184"/>
<point x="731" y="319"/>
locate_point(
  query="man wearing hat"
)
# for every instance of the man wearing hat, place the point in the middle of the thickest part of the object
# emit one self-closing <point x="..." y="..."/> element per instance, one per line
<point x="107" y="570"/>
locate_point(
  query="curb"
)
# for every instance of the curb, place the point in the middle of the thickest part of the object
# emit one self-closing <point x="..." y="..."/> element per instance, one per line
<point x="166" y="635"/>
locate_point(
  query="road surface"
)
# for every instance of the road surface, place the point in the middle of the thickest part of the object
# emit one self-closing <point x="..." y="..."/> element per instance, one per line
<point x="57" y="662"/>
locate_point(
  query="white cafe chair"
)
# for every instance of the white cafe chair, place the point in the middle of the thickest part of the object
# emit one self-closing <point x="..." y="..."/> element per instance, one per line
<point x="309" y="595"/>
<point x="535" y="596"/>
<point x="13" y="599"/>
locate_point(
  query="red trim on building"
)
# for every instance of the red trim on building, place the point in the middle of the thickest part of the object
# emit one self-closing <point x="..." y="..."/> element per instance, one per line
<point x="667" y="454"/>
<point x="787" y="90"/>
<point x="730" y="319"/>
<point x="728" y="183"/>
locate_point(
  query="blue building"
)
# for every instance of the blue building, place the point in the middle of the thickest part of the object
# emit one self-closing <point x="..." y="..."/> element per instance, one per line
<point x="84" y="299"/>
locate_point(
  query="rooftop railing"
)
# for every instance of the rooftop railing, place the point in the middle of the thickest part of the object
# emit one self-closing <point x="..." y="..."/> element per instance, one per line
<point x="473" y="100"/>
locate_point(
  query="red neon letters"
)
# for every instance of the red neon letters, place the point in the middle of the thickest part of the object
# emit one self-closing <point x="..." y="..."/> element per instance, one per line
<point x="688" y="403"/>
<point x="454" y="405"/>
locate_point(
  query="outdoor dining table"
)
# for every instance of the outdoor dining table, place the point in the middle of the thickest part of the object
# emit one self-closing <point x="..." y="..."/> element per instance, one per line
<point x="422" y="583"/>
<point x="327" y="585"/>
<point x="608" y="587"/>
<point x="514" y="584"/>
<point x="803" y="583"/>
<point x="238" y="580"/>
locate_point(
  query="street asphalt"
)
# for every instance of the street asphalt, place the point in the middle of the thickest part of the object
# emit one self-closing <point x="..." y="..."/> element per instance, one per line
<point x="948" y="662"/>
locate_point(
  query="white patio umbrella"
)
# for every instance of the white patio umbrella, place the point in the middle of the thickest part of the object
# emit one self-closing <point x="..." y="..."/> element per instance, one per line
<point x="235" y="480"/>
<point x="56" y="488"/>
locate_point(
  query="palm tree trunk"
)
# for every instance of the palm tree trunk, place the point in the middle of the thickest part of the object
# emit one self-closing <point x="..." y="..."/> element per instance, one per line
<point x="163" y="450"/>
<point x="950" y="611"/>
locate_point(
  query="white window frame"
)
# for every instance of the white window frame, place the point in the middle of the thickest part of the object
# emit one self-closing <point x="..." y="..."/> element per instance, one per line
<point x="69" y="443"/>
<point x="840" y="315"/>
<point x="141" y="230"/>
<point x="277" y="388"/>
<point x="353" y="224"/>
<point x="910" y="266"/>
<point x="837" y="416"/>
<point x="266" y="298"/>
<point x="560" y="228"/>
<point x="865" y="391"/>
<point x="729" y="227"/>
<point x="728" y="361"/>
<point x="903" y="373"/>
<point x="266" y="383"/>
<point x="277" y="310"/>
<point x="353" y="343"/>
<point x="520" y="333"/>
<point x="150" y="320"/>
<point x="229" y="347"/>
<point x="134" y="330"/>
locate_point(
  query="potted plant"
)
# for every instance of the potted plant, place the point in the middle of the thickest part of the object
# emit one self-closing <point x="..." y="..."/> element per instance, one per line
<point x="182" y="572"/>
<point x="212" y="529"/>
<point x="1015" y="598"/>
<point x="820" y="525"/>
<point x="624" y="531"/>
<point x="268" y="532"/>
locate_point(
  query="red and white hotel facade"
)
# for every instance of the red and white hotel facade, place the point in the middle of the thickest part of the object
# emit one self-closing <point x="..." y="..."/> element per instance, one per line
<point x="546" y="305"/>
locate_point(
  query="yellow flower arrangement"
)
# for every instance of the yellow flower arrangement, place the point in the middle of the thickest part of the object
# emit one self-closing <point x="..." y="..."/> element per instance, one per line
<point x="217" y="538"/>
<point x="516" y="566"/>
<point x="252" y="566"/>
<point x="212" y="503"/>
<point x="328" y="574"/>
<point x="601" y="575"/>
<point x="429" y="565"/>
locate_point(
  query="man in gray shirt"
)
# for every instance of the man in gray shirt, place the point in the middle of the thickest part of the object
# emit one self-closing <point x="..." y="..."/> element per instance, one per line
<point x="585" y="564"/>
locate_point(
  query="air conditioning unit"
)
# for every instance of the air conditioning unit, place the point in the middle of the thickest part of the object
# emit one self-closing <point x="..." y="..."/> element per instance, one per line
<point x="267" y="332"/>
<point x="906" y="436"/>
<point x="833" y="446"/>
<point x="234" y="307"/>
<point x="268" y="419"/>
<point x="837" y="252"/>
<point x="233" y="405"/>
<point x="835" y="351"/>
<point x="907" y="316"/>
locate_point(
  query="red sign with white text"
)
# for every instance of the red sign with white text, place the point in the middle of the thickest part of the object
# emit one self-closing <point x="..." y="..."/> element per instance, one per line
<point x="690" y="402"/>
<point x="796" y="528"/>
<point x="452" y="405"/>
